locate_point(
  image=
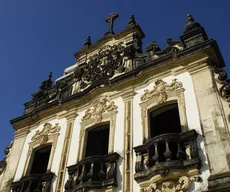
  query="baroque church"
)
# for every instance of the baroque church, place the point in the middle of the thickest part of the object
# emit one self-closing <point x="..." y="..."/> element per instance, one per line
<point x="127" y="119"/>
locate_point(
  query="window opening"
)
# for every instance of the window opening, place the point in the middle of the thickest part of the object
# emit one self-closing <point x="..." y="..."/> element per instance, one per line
<point x="97" y="141"/>
<point x="41" y="160"/>
<point x="165" y="120"/>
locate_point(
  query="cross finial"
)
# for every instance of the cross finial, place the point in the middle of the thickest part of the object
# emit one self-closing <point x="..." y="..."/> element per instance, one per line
<point x="112" y="17"/>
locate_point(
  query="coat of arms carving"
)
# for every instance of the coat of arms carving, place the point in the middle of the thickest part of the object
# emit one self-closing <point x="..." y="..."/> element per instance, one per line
<point x="43" y="136"/>
<point x="99" y="107"/>
<point x="159" y="91"/>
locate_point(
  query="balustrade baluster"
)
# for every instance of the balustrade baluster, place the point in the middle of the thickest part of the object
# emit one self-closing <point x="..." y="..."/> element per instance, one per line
<point x="193" y="149"/>
<point x="83" y="173"/>
<point x="101" y="174"/>
<point x="155" y="158"/>
<point x="149" y="161"/>
<point x="167" y="153"/>
<point x="181" y="155"/>
<point x="90" y="174"/>
<point x="138" y="164"/>
<point x="76" y="176"/>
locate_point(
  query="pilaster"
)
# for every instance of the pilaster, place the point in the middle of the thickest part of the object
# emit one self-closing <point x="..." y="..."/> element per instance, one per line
<point x="13" y="159"/>
<point x="213" y="121"/>
<point x="70" y="117"/>
<point x="128" y="142"/>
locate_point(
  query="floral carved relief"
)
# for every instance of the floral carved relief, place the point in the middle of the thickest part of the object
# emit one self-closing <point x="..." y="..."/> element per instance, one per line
<point x="180" y="185"/>
<point x="159" y="91"/>
<point x="43" y="136"/>
<point x="99" y="107"/>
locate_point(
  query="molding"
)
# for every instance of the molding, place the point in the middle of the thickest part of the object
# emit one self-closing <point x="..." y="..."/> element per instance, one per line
<point x="182" y="184"/>
<point x="102" y="111"/>
<point x="174" y="181"/>
<point x="71" y="115"/>
<point x="48" y="135"/>
<point x="162" y="94"/>
<point x="208" y="48"/>
<point x="127" y="174"/>
<point x="127" y="94"/>
<point x="159" y="91"/>
<point x="99" y="107"/>
<point x="21" y="133"/>
<point x="65" y="151"/>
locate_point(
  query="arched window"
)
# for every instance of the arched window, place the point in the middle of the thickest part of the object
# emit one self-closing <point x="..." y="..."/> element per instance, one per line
<point x="40" y="160"/>
<point x="164" y="119"/>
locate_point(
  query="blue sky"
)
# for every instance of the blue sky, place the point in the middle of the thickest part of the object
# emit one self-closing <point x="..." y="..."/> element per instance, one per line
<point x="39" y="36"/>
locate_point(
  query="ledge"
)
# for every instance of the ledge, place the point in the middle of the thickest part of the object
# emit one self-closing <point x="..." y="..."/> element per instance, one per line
<point x="141" y="66"/>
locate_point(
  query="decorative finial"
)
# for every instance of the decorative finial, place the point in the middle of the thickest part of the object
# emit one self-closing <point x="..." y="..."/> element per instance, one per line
<point x="132" y="21"/>
<point x="50" y="76"/>
<point x="191" y="24"/>
<point x="88" y="42"/>
<point x="112" y="17"/>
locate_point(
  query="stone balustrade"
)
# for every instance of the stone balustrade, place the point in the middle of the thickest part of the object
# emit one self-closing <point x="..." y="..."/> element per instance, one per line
<point x="35" y="182"/>
<point x="95" y="172"/>
<point x="171" y="150"/>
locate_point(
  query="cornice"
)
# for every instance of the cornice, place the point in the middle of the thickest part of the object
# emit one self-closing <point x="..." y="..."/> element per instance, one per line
<point x="208" y="48"/>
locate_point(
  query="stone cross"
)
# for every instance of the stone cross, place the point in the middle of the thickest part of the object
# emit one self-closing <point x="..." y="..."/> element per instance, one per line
<point x="112" y="17"/>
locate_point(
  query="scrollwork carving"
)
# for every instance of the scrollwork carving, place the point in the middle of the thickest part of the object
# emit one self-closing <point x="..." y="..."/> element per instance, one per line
<point x="159" y="91"/>
<point x="180" y="185"/>
<point x="43" y="135"/>
<point x="99" y="107"/>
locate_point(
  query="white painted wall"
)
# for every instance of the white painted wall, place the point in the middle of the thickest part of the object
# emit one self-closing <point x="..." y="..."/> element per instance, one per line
<point x="192" y="119"/>
<point x="57" y="154"/>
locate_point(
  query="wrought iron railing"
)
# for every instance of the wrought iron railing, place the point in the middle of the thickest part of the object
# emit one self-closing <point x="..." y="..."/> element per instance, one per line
<point x="94" y="172"/>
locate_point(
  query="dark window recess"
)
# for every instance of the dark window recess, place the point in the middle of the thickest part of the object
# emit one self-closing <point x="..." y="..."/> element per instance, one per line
<point x="41" y="160"/>
<point x="165" y="120"/>
<point x="97" y="141"/>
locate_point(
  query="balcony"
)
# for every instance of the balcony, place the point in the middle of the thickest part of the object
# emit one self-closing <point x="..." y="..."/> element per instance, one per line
<point x="38" y="182"/>
<point x="165" y="152"/>
<point x="95" y="172"/>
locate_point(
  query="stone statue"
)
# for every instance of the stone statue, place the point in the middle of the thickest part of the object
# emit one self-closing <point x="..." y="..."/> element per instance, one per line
<point x="42" y="93"/>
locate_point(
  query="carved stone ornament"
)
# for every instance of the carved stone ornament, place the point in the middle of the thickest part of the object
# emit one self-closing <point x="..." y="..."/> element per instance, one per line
<point x="99" y="107"/>
<point x="3" y="163"/>
<point x="180" y="185"/>
<point x="43" y="135"/>
<point x="159" y="91"/>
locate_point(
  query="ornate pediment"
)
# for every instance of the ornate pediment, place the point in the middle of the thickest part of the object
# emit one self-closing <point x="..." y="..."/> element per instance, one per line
<point x="99" y="107"/>
<point x="43" y="136"/>
<point x="180" y="185"/>
<point x="160" y="90"/>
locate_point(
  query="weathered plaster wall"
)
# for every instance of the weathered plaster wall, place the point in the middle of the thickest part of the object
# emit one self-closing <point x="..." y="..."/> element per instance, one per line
<point x="192" y="120"/>
<point x="57" y="154"/>
<point x="213" y="121"/>
<point x="12" y="162"/>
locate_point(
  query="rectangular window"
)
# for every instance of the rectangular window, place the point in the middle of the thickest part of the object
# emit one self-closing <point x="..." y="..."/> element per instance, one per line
<point x="97" y="141"/>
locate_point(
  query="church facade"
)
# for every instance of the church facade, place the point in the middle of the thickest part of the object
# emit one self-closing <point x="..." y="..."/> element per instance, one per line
<point x="124" y="119"/>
